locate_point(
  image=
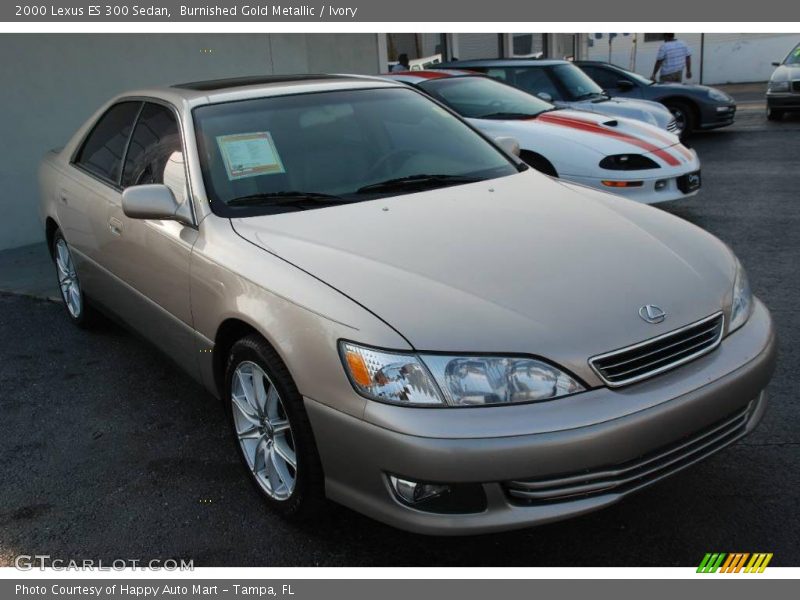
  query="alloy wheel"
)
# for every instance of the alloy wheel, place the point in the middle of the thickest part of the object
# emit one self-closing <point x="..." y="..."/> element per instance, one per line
<point x="263" y="430"/>
<point x="68" y="279"/>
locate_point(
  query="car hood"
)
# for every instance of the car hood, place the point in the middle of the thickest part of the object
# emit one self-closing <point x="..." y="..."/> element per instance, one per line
<point x="522" y="264"/>
<point x="642" y="110"/>
<point x="602" y="134"/>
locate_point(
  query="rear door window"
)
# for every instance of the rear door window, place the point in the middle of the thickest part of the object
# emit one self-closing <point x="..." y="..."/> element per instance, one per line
<point x="103" y="150"/>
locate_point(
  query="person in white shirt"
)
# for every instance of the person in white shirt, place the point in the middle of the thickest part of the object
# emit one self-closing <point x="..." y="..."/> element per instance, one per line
<point x="672" y="57"/>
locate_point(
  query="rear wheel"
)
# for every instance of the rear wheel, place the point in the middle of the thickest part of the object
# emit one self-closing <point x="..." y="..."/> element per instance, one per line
<point x="79" y="311"/>
<point x="774" y="114"/>
<point x="272" y="430"/>
<point x="684" y="117"/>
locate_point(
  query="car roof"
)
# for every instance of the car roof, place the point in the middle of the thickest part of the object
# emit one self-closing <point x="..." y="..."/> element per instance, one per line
<point x="236" y="82"/>
<point x="597" y="62"/>
<point x="240" y="88"/>
<point x="502" y="62"/>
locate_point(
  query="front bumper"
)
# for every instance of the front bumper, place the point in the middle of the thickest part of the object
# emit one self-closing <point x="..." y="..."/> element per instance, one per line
<point x="787" y="101"/>
<point x="716" y="116"/>
<point x="499" y="447"/>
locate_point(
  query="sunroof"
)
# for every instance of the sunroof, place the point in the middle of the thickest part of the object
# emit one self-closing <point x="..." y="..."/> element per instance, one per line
<point x="234" y="82"/>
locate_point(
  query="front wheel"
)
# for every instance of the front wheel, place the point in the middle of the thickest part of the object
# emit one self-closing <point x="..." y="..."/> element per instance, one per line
<point x="774" y="115"/>
<point x="69" y="284"/>
<point x="684" y="117"/>
<point x="272" y="430"/>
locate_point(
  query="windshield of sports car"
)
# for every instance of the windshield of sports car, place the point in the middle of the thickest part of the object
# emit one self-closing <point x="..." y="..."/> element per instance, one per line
<point x="304" y="151"/>
<point x="483" y="98"/>
<point x="640" y="78"/>
<point x="794" y="56"/>
<point x="579" y="85"/>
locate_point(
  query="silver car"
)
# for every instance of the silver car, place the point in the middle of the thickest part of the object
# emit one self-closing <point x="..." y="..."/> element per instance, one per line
<point x="397" y="313"/>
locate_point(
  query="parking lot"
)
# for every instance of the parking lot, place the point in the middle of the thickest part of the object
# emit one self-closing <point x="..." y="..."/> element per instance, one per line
<point x="108" y="452"/>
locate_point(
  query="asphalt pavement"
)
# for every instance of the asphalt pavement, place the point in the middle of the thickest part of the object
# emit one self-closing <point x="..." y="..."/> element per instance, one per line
<point x="108" y="452"/>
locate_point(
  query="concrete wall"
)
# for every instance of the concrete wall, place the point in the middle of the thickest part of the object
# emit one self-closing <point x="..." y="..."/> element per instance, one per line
<point x="51" y="83"/>
<point x="728" y="57"/>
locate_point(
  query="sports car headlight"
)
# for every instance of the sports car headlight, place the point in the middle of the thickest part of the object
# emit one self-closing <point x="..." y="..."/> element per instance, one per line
<point x="430" y="379"/>
<point x="778" y="86"/>
<point x="628" y="162"/>
<point x="742" y="302"/>
<point x="719" y="95"/>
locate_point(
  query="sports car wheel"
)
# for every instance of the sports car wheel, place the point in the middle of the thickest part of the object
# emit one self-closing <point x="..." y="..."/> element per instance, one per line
<point x="684" y="117"/>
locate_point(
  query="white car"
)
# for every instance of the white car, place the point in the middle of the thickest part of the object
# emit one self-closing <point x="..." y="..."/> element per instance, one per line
<point x="628" y="157"/>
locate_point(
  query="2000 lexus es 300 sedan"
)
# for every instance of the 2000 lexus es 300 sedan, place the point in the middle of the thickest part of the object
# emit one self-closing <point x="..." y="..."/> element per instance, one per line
<point x="398" y="313"/>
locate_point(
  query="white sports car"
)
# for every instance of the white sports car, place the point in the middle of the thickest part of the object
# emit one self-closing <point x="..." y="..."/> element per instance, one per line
<point x="631" y="158"/>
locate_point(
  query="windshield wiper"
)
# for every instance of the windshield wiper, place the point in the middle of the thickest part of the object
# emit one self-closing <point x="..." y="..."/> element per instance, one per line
<point x="281" y="198"/>
<point x="509" y="115"/>
<point x="416" y="181"/>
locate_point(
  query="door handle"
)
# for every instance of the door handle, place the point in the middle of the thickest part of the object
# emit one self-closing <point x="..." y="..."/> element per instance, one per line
<point x="115" y="225"/>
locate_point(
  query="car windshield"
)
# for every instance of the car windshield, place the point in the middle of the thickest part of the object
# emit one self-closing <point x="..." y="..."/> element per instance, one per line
<point x="635" y="76"/>
<point x="794" y="56"/>
<point x="295" y="152"/>
<point x="483" y="98"/>
<point x="579" y="85"/>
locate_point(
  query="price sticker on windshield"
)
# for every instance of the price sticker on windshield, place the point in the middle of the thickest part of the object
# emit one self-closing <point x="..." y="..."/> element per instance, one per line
<point x="249" y="155"/>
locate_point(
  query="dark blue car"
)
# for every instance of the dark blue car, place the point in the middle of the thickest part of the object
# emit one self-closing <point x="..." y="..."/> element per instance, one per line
<point x="695" y="107"/>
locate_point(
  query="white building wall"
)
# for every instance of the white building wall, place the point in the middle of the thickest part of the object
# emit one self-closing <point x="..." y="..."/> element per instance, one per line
<point x="728" y="57"/>
<point x="53" y="83"/>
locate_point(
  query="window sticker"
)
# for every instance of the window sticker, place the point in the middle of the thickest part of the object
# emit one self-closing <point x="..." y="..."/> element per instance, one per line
<point x="249" y="155"/>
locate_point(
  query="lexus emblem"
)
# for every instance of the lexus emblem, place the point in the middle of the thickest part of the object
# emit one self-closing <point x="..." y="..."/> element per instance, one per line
<point x="652" y="313"/>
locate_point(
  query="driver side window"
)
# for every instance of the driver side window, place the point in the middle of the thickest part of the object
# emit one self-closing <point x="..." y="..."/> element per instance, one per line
<point x="155" y="154"/>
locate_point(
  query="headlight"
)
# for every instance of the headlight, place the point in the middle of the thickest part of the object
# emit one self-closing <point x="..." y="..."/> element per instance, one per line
<point x="719" y="95"/>
<point x="430" y="379"/>
<point x="628" y="162"/>
<point x="778" y="86"/>
<point x="742" y="302"/>
<point x="389" y="377"/>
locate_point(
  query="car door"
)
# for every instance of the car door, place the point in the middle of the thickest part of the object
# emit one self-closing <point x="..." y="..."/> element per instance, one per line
<point x="150" y="257"/>
<point x="84" y="195"/>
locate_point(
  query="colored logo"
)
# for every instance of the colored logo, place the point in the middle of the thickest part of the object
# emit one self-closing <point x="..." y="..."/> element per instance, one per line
<point x="736" y="562"/>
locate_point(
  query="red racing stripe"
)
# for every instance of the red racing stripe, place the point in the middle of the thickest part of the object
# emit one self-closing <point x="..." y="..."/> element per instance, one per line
<point x="593" y="127"/>
<point x="678" y="147"/>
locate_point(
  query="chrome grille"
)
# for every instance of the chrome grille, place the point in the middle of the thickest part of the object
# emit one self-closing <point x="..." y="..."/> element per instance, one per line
<point x="659" y="354"/>
<point x="624" y="478"/>
<point x="672" y="126"/>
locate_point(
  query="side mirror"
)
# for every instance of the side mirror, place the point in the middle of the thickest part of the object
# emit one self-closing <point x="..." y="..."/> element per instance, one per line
<point x="545" y="96"/>
<point x="624" y="85"/>
<point x="154" y="201"/>
<point x="509" y="145"/>
<point x="776" y="64"/>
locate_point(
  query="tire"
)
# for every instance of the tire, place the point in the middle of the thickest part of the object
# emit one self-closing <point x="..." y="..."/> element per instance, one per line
<point x="538" y="162"/>
<point x="76" y="305"/>
<point x="271" y="427"/>
<point x="774" y="114"/>
<point x="685" y="116"/>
